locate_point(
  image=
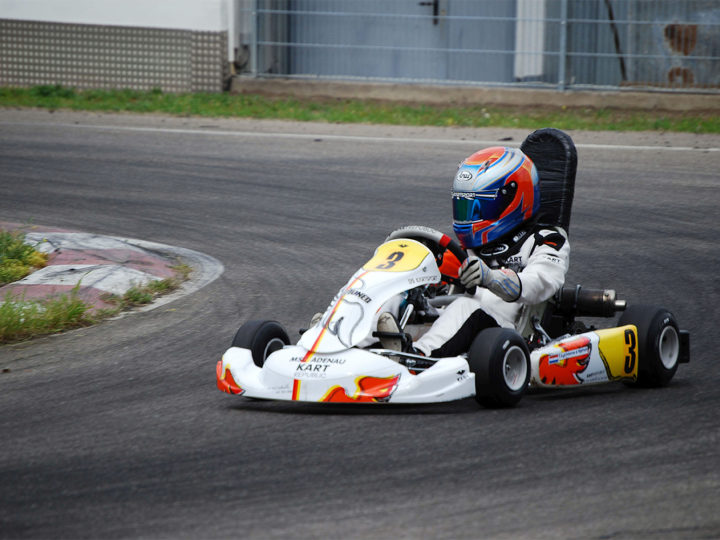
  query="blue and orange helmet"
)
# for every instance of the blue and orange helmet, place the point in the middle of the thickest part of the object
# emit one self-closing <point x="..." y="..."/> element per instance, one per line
<point x="494" y="192"/>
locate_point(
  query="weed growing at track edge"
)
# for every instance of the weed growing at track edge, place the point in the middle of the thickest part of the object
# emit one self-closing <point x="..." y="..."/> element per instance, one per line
<point x="17" y="259"/>
<point x="140" y="295"/>
<point x="22" y="318"/>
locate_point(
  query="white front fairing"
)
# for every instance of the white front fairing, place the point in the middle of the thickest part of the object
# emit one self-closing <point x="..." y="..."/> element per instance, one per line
<point x="327" y="366"/>
<point x="397" y="266"/>
<point x="350" y="376"/>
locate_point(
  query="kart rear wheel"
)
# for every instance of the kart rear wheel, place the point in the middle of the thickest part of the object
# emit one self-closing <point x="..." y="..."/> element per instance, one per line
<point x="500" y="360"/>
<point x="262" y="338"/>
<point x="658" y="344"/>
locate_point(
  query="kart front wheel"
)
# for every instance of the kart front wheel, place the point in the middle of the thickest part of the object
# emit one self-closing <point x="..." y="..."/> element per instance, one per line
<point x="262" y="338"/>
<point x="658" y="343"/>
<point x="500" y="360"/>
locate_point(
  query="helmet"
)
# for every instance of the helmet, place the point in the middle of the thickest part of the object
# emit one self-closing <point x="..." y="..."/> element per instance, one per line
<point x="495" y="191"/>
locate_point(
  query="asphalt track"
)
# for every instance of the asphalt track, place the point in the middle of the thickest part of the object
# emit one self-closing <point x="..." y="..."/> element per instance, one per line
<point x="118" y="431"/>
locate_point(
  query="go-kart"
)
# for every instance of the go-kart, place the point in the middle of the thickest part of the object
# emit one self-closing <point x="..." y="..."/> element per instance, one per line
<point x="340" y="360"/>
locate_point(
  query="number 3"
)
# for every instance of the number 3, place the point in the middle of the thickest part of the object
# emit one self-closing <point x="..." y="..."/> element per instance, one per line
<point x="394" y="257"/>
<point x="631" y="354"/>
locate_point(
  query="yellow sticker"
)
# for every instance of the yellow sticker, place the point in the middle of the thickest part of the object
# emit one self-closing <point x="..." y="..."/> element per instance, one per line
<point x="399" y="255"/>
<point x="619" y="351"/>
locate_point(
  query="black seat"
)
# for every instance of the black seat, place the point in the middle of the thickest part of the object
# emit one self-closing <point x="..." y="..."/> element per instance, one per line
<point x="555" y="158"/>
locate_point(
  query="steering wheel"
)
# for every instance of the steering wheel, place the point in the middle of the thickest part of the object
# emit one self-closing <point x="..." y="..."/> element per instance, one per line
<point x="436" y="242"/>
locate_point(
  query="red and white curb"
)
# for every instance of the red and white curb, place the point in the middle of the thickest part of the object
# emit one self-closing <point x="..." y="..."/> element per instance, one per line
<point x="100" y="265"/>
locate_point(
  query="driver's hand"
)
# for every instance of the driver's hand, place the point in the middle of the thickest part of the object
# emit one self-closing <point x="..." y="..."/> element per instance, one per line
<point x="503" y="282"/>
<point x="473" y="272"/>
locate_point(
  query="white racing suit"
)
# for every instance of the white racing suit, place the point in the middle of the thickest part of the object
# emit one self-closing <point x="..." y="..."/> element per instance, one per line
<point x="540" y="257"/>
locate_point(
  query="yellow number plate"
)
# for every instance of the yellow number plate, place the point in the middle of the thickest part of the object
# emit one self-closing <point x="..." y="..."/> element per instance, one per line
<point x="619" y="351"/>
<point x="397" y="256"/>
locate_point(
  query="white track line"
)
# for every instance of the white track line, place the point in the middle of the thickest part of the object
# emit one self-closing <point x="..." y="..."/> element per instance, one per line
<point x="356" y="138"/>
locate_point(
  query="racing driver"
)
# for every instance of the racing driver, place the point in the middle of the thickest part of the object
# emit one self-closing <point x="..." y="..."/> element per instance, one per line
<point x="512" y="261"/>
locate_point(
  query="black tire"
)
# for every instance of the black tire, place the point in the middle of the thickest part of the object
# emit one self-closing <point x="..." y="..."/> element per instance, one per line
<point x="500" y="360"/>
<point x="262" y="338"/>
<point x="658" y="344"/>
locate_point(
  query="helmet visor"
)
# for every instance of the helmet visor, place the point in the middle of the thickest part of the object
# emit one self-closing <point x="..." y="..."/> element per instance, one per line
<point x="476" y="206"/>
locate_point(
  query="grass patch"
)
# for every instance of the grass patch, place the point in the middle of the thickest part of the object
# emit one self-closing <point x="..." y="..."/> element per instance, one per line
<point x="225" y="105"/>
<point x="136" y="296"/>
<point x="21" y="319"/>
<point x="140" y="295"/>
<point x="17" y="259"/>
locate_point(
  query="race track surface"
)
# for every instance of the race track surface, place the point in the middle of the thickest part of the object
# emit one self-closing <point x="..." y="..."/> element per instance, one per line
<point x="118" y="430"/>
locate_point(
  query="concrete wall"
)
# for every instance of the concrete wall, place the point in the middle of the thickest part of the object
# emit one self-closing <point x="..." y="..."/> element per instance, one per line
<point x="175" y="45"/>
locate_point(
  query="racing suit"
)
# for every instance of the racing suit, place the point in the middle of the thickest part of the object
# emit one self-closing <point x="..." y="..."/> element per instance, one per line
<point x="540" y="257"/>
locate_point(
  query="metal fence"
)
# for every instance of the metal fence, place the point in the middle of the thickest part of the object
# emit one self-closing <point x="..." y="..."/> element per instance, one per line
<point x="656" y="44"/>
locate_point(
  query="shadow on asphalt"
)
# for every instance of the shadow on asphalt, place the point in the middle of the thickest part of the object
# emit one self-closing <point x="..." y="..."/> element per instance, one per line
<point x="534" y="398"/>
<point x="464" y="406"/>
